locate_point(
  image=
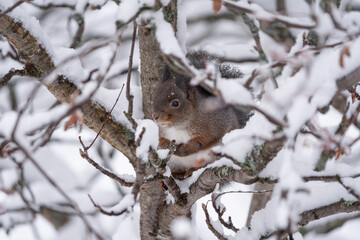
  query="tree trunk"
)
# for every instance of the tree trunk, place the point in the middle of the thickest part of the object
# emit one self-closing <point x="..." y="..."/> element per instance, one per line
<point x="156" y="214"/>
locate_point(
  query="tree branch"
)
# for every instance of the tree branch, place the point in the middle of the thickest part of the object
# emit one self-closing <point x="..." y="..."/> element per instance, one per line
<point x="349" y="80"/>
<point x="341" y="206"/>
<point x="15" y="5"/>
<point x="13" y="72"/>
<point x="208" y="180"/>
<point x="84" y="154"/>
<point x="94" y="114"/>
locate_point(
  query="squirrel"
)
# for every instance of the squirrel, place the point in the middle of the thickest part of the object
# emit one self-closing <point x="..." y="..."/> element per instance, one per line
<point x="186" y="114"/>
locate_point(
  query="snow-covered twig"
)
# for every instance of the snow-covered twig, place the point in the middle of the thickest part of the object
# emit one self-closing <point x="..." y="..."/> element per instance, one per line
<point x="261" y="14"/>
<point x="220" y="212"/>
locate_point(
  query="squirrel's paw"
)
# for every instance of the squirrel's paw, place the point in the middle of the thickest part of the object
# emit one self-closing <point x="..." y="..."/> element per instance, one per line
<point x="186" y="149"/>
<point x="163" y="143"/>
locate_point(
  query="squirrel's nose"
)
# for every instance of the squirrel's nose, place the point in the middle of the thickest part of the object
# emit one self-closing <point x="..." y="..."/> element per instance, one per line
<point x="155" y="116"/>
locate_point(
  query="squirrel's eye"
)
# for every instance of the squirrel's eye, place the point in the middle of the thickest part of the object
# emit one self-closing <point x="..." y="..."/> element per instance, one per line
<point x="175" y="103"/>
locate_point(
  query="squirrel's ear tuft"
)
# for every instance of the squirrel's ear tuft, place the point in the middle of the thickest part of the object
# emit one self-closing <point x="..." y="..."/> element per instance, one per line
<point x="166" y="74"/>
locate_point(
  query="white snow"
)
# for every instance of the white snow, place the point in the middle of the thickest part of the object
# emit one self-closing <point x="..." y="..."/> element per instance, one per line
<point x="181" y="228"/>
<point x="166" y="37"/>
<point x="127" y="9"/>
<point x="150" y="138"/>
<point x="30" y="23"/>
<point x="306" y="83"/>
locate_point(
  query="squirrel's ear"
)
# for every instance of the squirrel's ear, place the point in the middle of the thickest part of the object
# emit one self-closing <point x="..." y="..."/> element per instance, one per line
<point x="166" y="74"/>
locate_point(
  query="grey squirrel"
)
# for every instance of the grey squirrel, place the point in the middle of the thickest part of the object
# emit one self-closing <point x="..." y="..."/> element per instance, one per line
<point x="190" y="115"/>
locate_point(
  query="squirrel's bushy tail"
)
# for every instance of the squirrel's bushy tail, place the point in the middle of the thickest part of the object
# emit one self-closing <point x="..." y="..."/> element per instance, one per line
<point x="242" y="116"/>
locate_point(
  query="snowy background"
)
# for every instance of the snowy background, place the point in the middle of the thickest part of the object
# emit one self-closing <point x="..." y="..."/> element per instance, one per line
<point x="292" y="86"/>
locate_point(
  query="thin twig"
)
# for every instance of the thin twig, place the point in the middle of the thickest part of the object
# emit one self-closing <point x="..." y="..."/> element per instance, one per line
<point x="55" y="123"/>
<point x="210" y="226"/>
<point x="130" y="97"/>
<point x="84" y="154"/>
<point x="51" y="5"/>
<point x="22" y="110"/>
<point x="107" y="118"/>
<point x="220" y="212"/>
<point x="97" y="7"/>
<point x="13" y="72"/>
<point x="269" y="117"/>
<point x="79" y="18"/>
<point x="15" y="5"/>
<point x="349" y="189"/>
<point x="103" y="211"/>
<point x="59" y="189"/>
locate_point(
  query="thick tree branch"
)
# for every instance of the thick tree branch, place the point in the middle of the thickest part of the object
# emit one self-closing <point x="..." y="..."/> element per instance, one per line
<point x="208" y="180"/>
<point x="94" y="114"/>
<point x="349" y="80"/>
<point x="341" y="206"/>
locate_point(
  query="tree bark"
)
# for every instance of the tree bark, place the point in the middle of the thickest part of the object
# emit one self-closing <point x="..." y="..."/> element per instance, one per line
<point x="156" y="215"/>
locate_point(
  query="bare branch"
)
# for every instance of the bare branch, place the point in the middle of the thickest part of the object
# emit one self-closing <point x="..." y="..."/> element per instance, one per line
<point x="329" y="225"/>
<point x="114" y="133"/>
<point x="13" y="72"/>
<point x="15" y="5"/>
<point x="341" y="206"/>
<point x="59" y="189"/>
<point x="84" y="154"/>
<point x="209" y="224"/>
<point x="220" y="212"/>
<point x="130" y="97"/>
<point x="107" y="119"/>
<point x="103" y="211"/>
<point x="349" y="189"/>
<point x="51" y="5"/>
<point x="79" y="32"/>
<point x="349" y="80"/>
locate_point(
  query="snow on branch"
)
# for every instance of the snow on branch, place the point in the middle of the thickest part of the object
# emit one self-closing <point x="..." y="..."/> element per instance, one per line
<point x="259" y="13"/>
<point x="31" y="48"/>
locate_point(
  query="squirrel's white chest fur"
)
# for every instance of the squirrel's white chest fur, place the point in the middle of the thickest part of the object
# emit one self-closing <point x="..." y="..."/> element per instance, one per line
<point x="184" y="163"/>
<point x="177" y="134"/>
